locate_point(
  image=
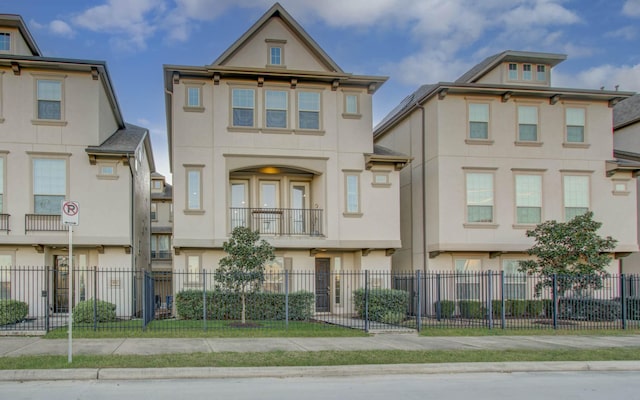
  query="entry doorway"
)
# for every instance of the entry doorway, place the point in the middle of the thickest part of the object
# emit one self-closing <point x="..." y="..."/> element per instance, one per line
<point x="323" y="279"/>
<point x="61" y="284"/>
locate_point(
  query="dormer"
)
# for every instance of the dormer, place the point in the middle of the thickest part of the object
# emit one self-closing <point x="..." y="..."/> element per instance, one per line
<point x="15" y="38"/>
<point x="514" y="68"/>
<point x="157" y="183"/>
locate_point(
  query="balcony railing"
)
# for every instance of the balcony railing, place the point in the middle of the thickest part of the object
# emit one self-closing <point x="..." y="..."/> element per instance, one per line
<point x="279" y="221"/>
<point x="160" y="255"/>
<point x="43" y="223"/>
<point x="4" y="222"/>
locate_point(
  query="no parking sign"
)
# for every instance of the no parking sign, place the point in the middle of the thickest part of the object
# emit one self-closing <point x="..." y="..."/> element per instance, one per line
<point x="70" y="212"/>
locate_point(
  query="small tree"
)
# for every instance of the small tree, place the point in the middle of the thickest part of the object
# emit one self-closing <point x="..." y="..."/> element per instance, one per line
<point x="572" y="251"/>
<point x="242" y="270"/>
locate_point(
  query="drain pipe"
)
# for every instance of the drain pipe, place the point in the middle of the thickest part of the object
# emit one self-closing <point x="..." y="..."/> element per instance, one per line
<point x="423" y="187"/>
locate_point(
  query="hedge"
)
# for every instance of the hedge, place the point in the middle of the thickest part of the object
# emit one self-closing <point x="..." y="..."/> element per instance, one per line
<point x="12" y="311"/>
<point x="471" y="309"/>
<point x="83" y="312"/>
<point x="589" y="309"/>
<point x="517" y="308"/>
<point x="447" y="308"/>
<point x="223" y="305"/>
<point x="633" y="308"/>
<point x="385" y="305"/>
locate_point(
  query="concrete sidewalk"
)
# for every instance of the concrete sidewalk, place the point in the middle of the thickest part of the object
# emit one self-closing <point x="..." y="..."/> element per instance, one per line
<point x="25" y="346"/>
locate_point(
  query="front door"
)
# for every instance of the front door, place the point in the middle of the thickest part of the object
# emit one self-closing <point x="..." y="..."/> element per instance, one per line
<point x="322" y="284"/>
<point x="61" y="284"/>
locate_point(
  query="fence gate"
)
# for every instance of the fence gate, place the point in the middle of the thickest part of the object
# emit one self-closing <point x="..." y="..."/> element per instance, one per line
<point x="148" y="299"/>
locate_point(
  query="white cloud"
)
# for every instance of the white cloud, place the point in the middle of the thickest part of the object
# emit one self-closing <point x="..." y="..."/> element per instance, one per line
<point x="61" y="28"/>
<point x="626" y="77"/>
<point x="626" y="32"/>
<point x="631" y="8"/>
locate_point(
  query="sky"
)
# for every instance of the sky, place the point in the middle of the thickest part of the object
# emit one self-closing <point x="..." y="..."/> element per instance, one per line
<point x="413" y="42"/>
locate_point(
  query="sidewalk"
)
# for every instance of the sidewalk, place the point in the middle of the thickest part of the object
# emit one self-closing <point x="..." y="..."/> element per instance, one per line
<point x="25" y="346"/>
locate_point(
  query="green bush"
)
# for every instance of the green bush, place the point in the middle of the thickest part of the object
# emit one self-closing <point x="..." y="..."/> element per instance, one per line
<point x="471" y="309"/>
<point x="447" y="308"/>
<point x="222" y="305"/>
<point x="589" y="309"/>
<point x="83" y="312"/>
<point x="12" y="311"/>
<point x="383" y="303"/>
<point x="633" y="308"/>
<point x="514" y="308"/>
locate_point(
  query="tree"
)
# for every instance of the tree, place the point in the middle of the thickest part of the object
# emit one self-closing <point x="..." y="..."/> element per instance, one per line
<point x="572" y="251"/>
<point x="242" y="270"/>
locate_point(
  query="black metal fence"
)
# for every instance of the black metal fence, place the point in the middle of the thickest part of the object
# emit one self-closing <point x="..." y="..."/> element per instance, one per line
<point x="36" y="299"/>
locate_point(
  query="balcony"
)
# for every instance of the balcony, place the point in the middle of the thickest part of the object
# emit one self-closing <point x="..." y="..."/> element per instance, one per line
<point x="43" y="223"/>
<point x="279" y="221"/>
<point x="160" y="254"/>
<point x="4" y="222"/>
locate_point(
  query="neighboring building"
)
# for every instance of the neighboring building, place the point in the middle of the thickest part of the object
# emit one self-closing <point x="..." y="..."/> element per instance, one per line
<point x="273" y="135"/>
<point x="626" y="143"/>
<point x="62" y="137"/>
<point x="161" y="235"/>
<point x="497" y="152"/>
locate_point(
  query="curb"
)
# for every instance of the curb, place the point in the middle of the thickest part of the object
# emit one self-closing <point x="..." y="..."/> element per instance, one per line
<point x="322" y="371"/>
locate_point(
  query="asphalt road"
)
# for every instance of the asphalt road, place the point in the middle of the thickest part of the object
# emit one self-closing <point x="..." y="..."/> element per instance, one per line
<point x="478" y="386"/>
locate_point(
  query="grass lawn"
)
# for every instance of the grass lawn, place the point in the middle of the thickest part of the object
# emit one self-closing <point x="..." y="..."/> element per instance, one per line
<point x="320" y="358"/>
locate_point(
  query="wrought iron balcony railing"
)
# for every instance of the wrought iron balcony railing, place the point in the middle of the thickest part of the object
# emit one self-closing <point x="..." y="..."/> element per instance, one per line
<point x="279" y="221"/>
<point x="160" y="254"/>
<point x="43" y="223"/>
<point x="4" y="222"/>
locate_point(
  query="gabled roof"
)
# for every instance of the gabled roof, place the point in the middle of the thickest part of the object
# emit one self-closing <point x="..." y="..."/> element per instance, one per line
<point x="16" y="21"/>
<point x="489" y="63"/>
<point x="125" y="142"/>
<point x="626" y="112"/>
<point x="277" y="11"/>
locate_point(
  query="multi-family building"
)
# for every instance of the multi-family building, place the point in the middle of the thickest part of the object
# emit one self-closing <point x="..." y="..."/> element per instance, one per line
<point x="161" y="236"/>
<point x="275" y="136"/>
<point x="63" y="138"/>
<point x="499" y="151"/>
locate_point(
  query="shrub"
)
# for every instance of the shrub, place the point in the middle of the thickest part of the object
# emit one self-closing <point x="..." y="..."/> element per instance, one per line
<point x="471" y="309"/>
<point x="383" y="304"/>
<point x="589" y="309"/>
<point x="447" y="308"/>
<point x="83" y="312"/>
<point x="514" y="308"/>
<point x="12" y="311"/>
<point x="633" y="308"/>
<point x="223" y="305"/>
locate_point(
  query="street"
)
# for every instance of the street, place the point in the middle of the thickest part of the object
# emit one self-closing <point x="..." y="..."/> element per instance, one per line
<point x="478" y="386"/>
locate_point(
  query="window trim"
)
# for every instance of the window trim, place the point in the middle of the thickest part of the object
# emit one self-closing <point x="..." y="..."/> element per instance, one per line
<point x="625" y="190"/>
<point x="568" y="173"/>
<point x="193" y="85"/>
<point x="153" y="211"/>
<point x="232" y="126"/>
<point x="544" y="71"/>
<point x="345" y="113"/>
<point x="298" y="110"/>
<point x="11" y="41"/>
<point x="199" y="169"/>
<point x="492" y="173"/>
<point x="285" y="90"/>
<point x="155" y="237"/>
<point x="383" y="174"/>
<point x="48" y="156"/>
<point x="516" y="173"/>
<point x="43" y="121"/>
<point x="525" y="72"/>
<point x="585" y="143"/>
<point x="188" y="274"/>
<point x="516" y="70"/>
<point x="347" y="212"/>
<point x="111" y="176"/>
<point x="279" y="44"/>
<point x="519" y="141"/>
<point x="485" y="141"/>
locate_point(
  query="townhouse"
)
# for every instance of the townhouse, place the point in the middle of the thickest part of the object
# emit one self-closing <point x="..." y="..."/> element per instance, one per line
<point x="497" y="152"/>
<point x="275" y="136"/>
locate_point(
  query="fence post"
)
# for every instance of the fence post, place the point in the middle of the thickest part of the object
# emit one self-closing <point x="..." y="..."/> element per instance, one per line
<point x="366" y="301"/>
<point x="145" y="294"/>
<point x="554" y="295"/>
<point x="438" y="304"/>
<point x="623" y="299"/>
<point x="204" y="300"/>
<point x="418" y="301"/>
<point x="47" y="297"/>
<point x="503" y="311"/>
<point x="489" y="299"/>
<point x="95" y="298"/>
<point x="286" y="298"/>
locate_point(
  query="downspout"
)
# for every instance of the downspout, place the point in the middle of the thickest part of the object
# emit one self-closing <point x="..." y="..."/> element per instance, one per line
<point x="131" y="233"/>
<point x="423" y="188"/>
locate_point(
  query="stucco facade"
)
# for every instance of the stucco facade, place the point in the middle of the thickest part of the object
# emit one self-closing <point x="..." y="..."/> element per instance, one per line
<point x="497" y="152"/>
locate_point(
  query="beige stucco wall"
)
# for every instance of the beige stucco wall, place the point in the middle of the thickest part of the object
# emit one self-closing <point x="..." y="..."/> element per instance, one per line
<point x="18" y="45"/>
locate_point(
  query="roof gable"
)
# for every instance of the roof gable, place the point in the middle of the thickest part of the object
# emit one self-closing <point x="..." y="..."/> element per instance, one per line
<point x="487" y="65"/>
<point x="23" y="44"/>
<point x="301" y="52"/>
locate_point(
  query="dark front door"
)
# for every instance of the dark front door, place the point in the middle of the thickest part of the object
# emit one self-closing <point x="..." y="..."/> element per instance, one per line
<point x="322" y="284"/>
<point x="61" y="284"/>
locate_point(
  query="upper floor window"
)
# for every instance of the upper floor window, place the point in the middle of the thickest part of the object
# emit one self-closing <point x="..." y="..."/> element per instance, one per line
<point x="527" y="123"/>
<point x="161" y="247"/>
<point x="352" y="193"/>
<point x="5" y="41"/>
<point x="526" y="72"/>
<point x="243" y="104"/>
<point x="541" y="73"/>
<point x="308" y="110"/>
<point x="478" y="121"/>
<point x="351" y="104"/>
<point x="575" y="120"/>
<point x="49" y="185"/>
<point x="528" y="199"/>
<point x="194" y="188"/>
<point x="275" y="55"/>
<point x="480" y="197"/>
<point x="576" y="195"/>
<point x="276" y="104"/>
<point x="49" y="95"/>
<point x="194" y="96"/>
<point x="154" y="211"/>
<point x="513" y="72"/>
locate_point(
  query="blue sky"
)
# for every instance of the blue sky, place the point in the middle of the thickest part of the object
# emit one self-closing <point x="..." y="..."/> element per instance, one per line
<point x="413" y="42"/>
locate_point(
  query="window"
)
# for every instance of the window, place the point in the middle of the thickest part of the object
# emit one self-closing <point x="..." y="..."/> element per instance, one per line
<point x="527" y="123"/>
<point x="468" y="279"/>
<point x="49" y="185"/>
<point x="49" y="94"/>
<point x="575" y="124"/>
<point x="515" y="282"/>
<point x="154" y="211"/>
<point x="276" y="105"/>
<point x="193" y="269"/>
<point x="6" y="262"/>
<point x="194" y="189"/>
<point x="239" y="204"/>
<point x="528" y="199"/>
<point x="309" y="110"/>
<point x="381" y="179"/>
<point x="156" y="185"/>
<point x="243" y="107"/>
<point x="194" y="96"/>
<point x="352" y="182"/>
<point x="107" y="170"/>
<point x="161" y="247"/>
<point x="513" y="72"/>
<point x="274" y="276"/>
<point x="526" y="72"/>
<point x="351" y="104"/>
<point x="576" y="195"/>
<point x="5" y="41"/>
<point x="275" y="55"/>
<point x="478" y="121"/>
<point x="479" y="197"/>
<point x="541" y="73"/>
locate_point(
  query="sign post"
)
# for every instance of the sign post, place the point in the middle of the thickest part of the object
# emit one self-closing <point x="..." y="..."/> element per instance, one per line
<point x="70" y="217"/>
